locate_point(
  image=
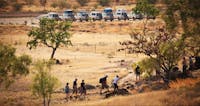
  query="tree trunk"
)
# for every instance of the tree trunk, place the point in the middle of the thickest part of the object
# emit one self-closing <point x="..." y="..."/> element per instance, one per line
<point x="49" y="100"/>
<point x="44" y="101"/>
<point x="53" y="53"/>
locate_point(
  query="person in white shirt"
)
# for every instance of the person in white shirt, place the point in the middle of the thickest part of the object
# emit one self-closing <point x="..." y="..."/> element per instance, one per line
<point x="115" y="81"/>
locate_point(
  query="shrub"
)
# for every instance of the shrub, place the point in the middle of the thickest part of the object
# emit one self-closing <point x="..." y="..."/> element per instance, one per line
<point x="104" y="2"/>
<point x="82" y="2"/>
<point x="17" y="7"/>
<point x="3" y="3"/>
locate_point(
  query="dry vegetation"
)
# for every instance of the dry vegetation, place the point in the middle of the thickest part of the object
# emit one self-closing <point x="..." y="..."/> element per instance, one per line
<point x="93" y="54"/>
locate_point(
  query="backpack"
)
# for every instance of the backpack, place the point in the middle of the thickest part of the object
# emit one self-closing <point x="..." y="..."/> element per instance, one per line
<point x="100" y="80"/>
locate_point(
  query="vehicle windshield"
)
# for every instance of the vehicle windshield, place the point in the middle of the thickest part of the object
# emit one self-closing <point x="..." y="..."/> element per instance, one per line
<point x="108" y="11"/>
<point x="68" y="12"/>
<point x="55" y="15"/>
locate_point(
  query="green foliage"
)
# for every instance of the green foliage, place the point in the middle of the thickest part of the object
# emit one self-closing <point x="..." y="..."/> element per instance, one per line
<point x="44" y="84"/>
<point x="51" y="33"/>
<point x="104" y="2"/>
<point x="3" y="3"/>
<point x="146" y="8"/>
<point x="147" y="66"/>
<point x="12" y="66"/>
<point x="152" y="1"/>
<point x="188" y="12"/>
<point x="17" y="6"/>
<point x="82" y="2"/>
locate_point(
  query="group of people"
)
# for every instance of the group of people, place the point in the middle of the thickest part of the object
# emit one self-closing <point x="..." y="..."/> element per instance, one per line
<point x="104" y="84"/>
<point x="82" y="88"/>
<point x="187" y="68"/>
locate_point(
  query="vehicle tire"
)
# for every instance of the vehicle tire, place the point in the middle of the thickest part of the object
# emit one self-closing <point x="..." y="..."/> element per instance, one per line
<point x="80" y="20"/>
<point x="119" y="19"/>
<point x="105" y="19"/>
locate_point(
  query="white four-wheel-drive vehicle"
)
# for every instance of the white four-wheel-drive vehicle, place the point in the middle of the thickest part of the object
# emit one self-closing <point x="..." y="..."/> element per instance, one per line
<point x="108" y="14"/>
<point x="121" y="14"/>
<point x="95" y="15"/>
<point x="82" y="15"/>
<point x="68" y="15"/>
<point x="50" y="15"/>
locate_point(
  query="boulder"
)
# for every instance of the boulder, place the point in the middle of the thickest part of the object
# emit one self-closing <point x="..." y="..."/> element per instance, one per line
<point x="120" y="92"/>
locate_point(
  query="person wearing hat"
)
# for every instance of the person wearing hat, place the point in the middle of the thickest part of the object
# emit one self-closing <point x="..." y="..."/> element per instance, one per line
<point x="104" y="84"/>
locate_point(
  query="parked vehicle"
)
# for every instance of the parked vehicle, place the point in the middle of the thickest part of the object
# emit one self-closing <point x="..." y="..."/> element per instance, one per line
<point x="95" y="15"/>
<point x="108" y="14"/>
<point x="82" y="15"/>
<point x="121" y="14"/>
<point x="68" y="15"/>
<point x="50" y="15"/>
<point x="134" y="15"/>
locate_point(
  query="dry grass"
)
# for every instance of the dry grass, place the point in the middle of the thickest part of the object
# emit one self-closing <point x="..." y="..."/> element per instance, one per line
<point x="184" y="96"/>
<point x="184" y="82"/>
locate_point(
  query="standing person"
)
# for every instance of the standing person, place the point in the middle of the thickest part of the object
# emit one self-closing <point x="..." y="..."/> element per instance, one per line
<point x="137" y="72"/>
<point x="115" y="81"/>
<point x="67" y="90"/>
<point x="75" y="88"/>
<point x="83" y="88"/>
<point x="191" y="64"/>
<point x="104" y="84"/>
<point x="184" y="67"/>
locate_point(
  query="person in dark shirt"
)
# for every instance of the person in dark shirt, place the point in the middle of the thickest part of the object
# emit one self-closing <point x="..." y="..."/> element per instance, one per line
<point x="137" y="72"/>
<point x="104" y="84"/>
<point x="75" y="88"/>
<point x="83" y="88"/>
<point x="67" y="90"/>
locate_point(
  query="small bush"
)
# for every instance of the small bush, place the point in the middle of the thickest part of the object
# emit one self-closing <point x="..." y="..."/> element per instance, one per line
<point x="63" y="4"/>
<point x="82" y="2"/>
<point x="104" y="2"/>
<point x="17" y="7"/>
<point x="54" y="5"/>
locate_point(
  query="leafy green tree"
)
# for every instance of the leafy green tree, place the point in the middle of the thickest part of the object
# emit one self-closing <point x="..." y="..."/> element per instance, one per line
<point x="184" y="14"/>
<point x="146" y="8"/>
<point x="162" y="46"/>
<point x="12" y="66"/>
<point x="51" y="33"/>
<point x="44" y="84"/>
<point x="82" y="2"/>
